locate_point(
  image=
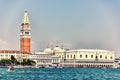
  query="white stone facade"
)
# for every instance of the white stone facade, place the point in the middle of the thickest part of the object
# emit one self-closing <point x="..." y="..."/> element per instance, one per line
<point x="6" y="54"/>
<point x="91" y="55"/>
<point x="78" y="58"/>
<point x="45" y="59"/>
<point x="89" y="58"/>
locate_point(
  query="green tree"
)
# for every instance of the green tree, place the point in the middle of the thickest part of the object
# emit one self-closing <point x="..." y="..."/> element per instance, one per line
<point x="28" y="62"/>
<point x="5" y="62"/>
<point x="14" y="60"/>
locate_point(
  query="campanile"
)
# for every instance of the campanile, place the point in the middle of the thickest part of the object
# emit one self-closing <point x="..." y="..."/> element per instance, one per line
<point x="25" y="35"/>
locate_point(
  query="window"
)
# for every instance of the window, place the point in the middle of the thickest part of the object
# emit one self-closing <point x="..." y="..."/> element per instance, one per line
<point x="91" y="56"/>
<point x="26" y="32"/>
<point x="86" y="56"/>
<point x="71" y="56"/>
<point x="96" y="57"/>
<point x="106" y="57"/>
<point x="80" y="56"/>
<point x="67" y="56"/>
<point x="74" y="56"/>
<point x="100" y="56"/>
<point x="111" y="57"/>
<point x="22" y="32"/>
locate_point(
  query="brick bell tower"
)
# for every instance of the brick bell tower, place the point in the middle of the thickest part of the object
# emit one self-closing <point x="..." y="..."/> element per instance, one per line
<point x="25" y="35"/>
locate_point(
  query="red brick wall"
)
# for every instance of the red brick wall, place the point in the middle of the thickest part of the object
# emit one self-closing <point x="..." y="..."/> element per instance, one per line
<point x="25" y="45"/>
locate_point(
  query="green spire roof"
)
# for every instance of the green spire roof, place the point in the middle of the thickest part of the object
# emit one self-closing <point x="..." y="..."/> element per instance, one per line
<point x="25" y="19"/>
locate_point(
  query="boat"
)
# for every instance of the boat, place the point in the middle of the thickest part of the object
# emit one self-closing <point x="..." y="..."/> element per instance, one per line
<point x="10" y="68"/>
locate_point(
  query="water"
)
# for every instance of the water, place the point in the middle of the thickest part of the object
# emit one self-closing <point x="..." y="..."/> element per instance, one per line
<point x="60" y="74"/>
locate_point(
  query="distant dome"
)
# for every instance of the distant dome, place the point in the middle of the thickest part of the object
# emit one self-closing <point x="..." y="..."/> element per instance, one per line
<point x="57" y="48"/>
<point x="48" y="50"/>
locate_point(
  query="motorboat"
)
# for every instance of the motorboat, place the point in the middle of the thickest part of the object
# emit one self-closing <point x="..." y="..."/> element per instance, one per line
<point x="10" y="68"/>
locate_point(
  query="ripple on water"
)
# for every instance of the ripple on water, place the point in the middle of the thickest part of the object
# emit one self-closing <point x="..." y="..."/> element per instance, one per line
<point x="60" y="74"/>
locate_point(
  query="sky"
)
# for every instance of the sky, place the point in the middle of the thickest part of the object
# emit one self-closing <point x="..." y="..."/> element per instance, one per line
<point x="74" y="24"/>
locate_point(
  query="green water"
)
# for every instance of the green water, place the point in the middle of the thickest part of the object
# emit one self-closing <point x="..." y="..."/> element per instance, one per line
<point x="60" y="74"/>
